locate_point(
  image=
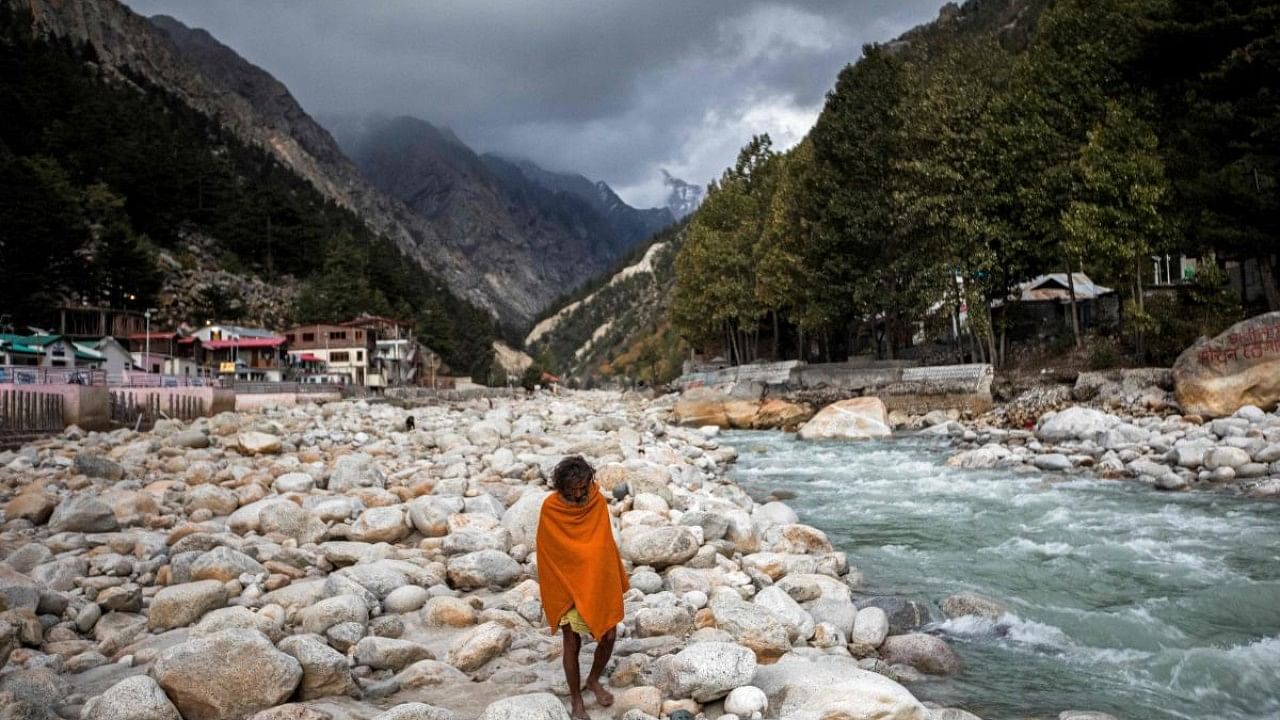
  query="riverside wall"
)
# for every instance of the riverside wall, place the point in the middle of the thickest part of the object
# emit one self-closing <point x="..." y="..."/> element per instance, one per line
<point x="903" y="387"/>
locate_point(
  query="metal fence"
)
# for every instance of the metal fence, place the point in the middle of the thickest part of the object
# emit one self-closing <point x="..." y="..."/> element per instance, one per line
<point x="136" y="379"/>
<point x="31" y="375"/>
<point x="141" y="411"/>
<point x="26" y="415"/>
<point x="284" y="387"/>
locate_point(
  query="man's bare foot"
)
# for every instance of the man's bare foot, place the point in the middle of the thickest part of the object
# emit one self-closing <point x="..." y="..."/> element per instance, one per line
<point x="578" y="711"/>
<point x="604" y="698"/>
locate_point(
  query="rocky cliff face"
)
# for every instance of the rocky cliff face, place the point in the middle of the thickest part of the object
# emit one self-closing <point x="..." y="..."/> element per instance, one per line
<point x="212" y="78"/>
<point x="683" y="198"/>
<point x="537" y="234"/>
<point x="630" y="225"/>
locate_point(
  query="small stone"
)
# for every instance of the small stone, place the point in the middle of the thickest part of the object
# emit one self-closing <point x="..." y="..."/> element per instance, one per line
<point x="970" y="603"/>
<point x="134" y="698"/>
<point x="926" y="653"/>
<point x="535" y="706"/>
<point x="478" y="646"/>
<point x="746" y="701"/>
<point x="180" y="605"/>
<point x="258" y="443"/>
<point x="390" y="654"/>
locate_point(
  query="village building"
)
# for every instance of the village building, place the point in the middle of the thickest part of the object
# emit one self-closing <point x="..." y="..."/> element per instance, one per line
<point x="398" y="357"/>
<point x="170" y="353"/>
<point x="213" y="332"/>
<point x="116" y="358"/>
<point x="47" y="350"/>
<point x="335" y="351"/>
<point x="254" y="359"/>
<point x="88" y="322"/>
<point x="1044" y="304"/>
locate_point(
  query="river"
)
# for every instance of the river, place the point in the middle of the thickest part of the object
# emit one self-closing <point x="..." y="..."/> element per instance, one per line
<point x="1143" y="604"/>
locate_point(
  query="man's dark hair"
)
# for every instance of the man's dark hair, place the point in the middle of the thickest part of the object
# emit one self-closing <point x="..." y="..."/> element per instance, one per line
<point x="573" y="468"/>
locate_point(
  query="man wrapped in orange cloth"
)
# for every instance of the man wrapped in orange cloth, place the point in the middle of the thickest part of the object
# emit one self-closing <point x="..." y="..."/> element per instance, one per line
<point x="580" y="573"/>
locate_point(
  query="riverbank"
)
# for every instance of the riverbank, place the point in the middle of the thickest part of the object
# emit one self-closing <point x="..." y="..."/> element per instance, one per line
<point x="359" y="571"/>
<point x="1171" y="452"/>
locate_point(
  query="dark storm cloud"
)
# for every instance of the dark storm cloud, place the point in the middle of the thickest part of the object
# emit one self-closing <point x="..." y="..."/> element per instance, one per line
<point x="610" y="88"/>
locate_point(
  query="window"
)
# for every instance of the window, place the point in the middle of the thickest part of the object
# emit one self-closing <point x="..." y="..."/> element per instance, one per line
<point x="338" y="335"/>
<point x="289" y="338"/>
<point x="359" y="356"/>
<point x="308" y="337"/>
<point x="339" y="357"/>
<point x="359" y="334"/>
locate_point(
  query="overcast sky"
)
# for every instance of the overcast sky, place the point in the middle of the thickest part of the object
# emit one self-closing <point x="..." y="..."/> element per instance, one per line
<point x="613" y="89"/>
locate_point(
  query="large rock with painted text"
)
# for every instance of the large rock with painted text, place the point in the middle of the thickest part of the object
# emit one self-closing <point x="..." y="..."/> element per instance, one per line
<point x="1241" y="366"/>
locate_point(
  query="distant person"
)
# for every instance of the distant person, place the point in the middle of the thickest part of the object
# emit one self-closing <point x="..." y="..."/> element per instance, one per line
<point x="581" y="574"/>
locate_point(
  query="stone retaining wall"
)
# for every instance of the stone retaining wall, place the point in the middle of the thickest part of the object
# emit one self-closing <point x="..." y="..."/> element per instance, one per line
<point x="901" y="386"/>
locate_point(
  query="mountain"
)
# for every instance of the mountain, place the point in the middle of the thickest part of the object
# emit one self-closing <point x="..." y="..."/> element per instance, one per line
<point x="536" y="233"/>
<point x="684" y="198"/>
<point x="617" y="326"/>
<point x="117" y="190"/>
<point x="630" y="225"/>
<point x="456" y="244"/>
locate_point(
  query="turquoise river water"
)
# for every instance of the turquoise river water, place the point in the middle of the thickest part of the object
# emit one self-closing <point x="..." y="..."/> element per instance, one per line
<point x="1143" y="604"/>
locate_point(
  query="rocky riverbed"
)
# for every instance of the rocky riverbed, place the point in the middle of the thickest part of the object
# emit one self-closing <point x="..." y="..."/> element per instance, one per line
<point x="321" y="562"/>
<point x="1169" y="452"/>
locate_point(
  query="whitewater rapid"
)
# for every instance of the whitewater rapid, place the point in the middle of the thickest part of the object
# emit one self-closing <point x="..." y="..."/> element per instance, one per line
<point x="1122" y="599"/>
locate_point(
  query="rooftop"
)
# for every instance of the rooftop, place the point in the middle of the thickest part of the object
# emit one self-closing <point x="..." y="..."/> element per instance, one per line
<point x="246" y="343"/>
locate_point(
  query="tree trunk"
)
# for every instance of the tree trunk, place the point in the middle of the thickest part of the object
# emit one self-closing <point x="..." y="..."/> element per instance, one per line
<point x="955" y="334"/>
<point x="1075" y="320"/>
<point x="777" y="341"/>
<point x="994" y="357"/>
<point x="801" y="355"/>
<point x="1267" y="269"/>
<point x="1141" y="304"/>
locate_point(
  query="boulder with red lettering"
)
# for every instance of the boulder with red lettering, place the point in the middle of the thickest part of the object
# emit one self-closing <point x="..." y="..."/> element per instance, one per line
<point x="1215" y="377"/>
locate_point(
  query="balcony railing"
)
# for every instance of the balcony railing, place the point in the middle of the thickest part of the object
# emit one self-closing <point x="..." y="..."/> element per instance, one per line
<point x="31" y="375"/>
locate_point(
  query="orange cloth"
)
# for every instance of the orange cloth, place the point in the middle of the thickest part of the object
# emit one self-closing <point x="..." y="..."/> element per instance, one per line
<point x="578" y="562"/>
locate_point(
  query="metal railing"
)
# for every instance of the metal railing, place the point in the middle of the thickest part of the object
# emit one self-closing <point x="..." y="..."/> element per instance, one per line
<point x="32" y="375"/>
<point x="283" y="387"/>
<point x="156" y="380"/>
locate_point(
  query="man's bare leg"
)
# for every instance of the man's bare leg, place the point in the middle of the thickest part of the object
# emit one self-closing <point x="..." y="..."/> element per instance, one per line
<point x="604" y="649"/>
<point x="571" y="673"/>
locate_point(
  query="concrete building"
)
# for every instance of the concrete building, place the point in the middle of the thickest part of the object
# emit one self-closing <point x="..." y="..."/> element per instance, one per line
<point x="50" y="351"/>
<point x="256" y="359"/>
<point x="116" y="358"/>
<point x="171" y="353"/>
<point x="398" y="358"/>
<point x="334" y="350"/>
